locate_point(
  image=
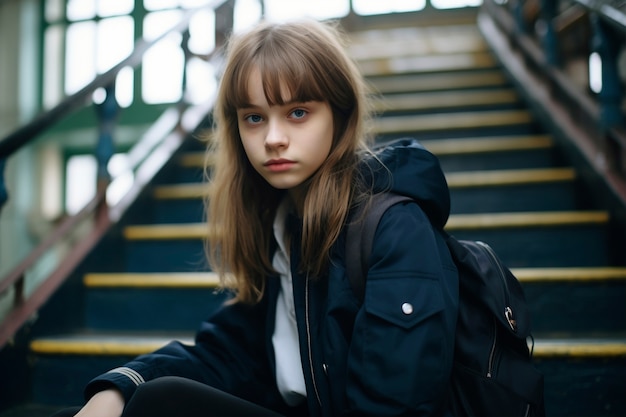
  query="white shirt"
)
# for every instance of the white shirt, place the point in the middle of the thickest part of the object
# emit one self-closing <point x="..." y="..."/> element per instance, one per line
<point x="289" y="376"/>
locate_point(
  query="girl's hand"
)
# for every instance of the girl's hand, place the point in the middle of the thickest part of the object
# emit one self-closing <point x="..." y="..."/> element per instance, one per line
<point x="108" y="403"/>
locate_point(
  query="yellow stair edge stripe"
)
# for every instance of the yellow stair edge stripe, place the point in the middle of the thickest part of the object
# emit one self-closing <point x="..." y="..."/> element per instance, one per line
<point x="579" y="349"/>
<point x="153" y="280"/>
<point x="509" y="177"/>
<point x="525" y="219"/>
<point x="455" y="180"/>
<point x="455" y="222"/>
<point x="166" y="231"/>
<point x="427" y="101"/>
<point x="574" y="274"/>
<point x="442" y="147"/>
<point x="101" y="346"/>
<point x="134" y="346"/>
<point x="427" y="63"/>
<point x="194" y="159"/>
<point x="435" y="82"/>
<point x="181" y="191"/>
<point x="423" y="123"/>
<point x="445" y="147"/>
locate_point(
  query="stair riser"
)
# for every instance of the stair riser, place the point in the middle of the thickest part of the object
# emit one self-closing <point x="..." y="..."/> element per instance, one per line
<point x="61" y="379"/>
<point x="166" y="256"/>
<point x="178" y="211"/>
<point x="523" y="129"/>
<point x="584" y="387"/>
<point x="150" y="309"/>
<point x="497" y="160"/>
<point x="544" y="246"/>
<point x="536" y="197"/>
<point x="577" y="307"/>
<point x="451" y="109"/>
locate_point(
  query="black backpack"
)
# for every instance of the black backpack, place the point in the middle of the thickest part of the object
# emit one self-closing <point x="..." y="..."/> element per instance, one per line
<point x="493" y="373"/>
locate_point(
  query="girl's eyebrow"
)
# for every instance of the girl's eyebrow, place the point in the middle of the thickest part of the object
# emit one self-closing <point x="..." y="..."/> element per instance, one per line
<point x="286" y="103"/>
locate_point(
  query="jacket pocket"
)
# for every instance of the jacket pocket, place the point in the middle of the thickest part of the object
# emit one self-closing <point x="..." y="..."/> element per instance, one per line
<point x="404" y="301"/>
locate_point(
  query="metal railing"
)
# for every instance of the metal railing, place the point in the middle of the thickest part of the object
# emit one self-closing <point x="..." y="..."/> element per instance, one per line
<point x="547" y="51"/>
<point x="79" y="233"/>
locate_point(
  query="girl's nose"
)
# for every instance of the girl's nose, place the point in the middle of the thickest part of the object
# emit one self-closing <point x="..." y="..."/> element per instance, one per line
<point x="276" y="135"/>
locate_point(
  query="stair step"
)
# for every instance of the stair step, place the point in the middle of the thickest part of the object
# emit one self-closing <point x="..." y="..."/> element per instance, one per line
<point x="513" y="190"/>
<point x="583" y="377"/>
<point x="550" y="293"/>
<point x="557" y="238"/>
<point x="456" y="222"/>
<point x="419" y="102"/>
<point x="401" y="42"/>
<point x="135" y="295"/>
<point x="154" y="280"/>
<point x="484" y="121"/>
<point x="437" y="82"/>
<point x="494" y="178"/>
<point x="427" y="63"/>
<point x="513" y="151"/>
<point x="180" y="191"/>
<point x="539" y="239"/>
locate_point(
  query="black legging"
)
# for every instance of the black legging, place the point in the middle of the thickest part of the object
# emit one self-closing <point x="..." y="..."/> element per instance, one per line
<point x="179" y="397"/>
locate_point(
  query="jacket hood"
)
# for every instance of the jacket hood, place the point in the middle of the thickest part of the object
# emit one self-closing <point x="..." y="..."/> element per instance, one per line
<point x="405" y="167"/>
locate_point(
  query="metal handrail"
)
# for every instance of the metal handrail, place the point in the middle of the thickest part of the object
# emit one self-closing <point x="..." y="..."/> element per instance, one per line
<point x="595" y="122"/>
<point x="148" y="155"/>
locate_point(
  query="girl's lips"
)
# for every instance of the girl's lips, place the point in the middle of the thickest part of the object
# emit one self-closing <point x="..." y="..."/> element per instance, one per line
<point x="278" y="165"/>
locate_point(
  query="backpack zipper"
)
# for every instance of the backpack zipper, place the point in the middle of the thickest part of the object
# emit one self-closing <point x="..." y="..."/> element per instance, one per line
<point x="308" y="339"/>
<point x="508" y="312"/>
<point x="492" y="353"/>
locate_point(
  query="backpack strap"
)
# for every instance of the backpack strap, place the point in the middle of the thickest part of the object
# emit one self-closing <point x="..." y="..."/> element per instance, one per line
<point x="360" y="238"/>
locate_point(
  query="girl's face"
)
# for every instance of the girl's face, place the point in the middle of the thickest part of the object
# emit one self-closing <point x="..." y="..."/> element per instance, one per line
<point x="286" y="144"/>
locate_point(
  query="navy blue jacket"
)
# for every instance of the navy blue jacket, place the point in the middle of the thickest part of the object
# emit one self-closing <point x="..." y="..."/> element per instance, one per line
<point x="374" y="358"/>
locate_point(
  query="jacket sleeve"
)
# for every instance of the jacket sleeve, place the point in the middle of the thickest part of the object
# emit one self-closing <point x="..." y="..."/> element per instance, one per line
<point x="403" y="340"/>
<point x="229" y="354"/>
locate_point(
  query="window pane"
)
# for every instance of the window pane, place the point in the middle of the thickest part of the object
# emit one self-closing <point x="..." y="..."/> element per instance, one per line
<point x="201" y="81"/>
<point x="114" y="7"/>
<point x="371" y="7"/>
<point x="52" y="70"/>
<point x="454" y="4"/>
<point x="321" y="9"/>
<point x="202" y="32"/>
<point x="115" y="41"/>
<point x="160" y="4"/>
<point x="54" y="10"/>
<point x="190" y="4"/>
<point x="81" y="9"/>
<point x="80" y="182"/>
<point x="155" y="24"/>
<point x="80" y="62"/>
<point x="162" y="74"/>
<point x="246" y="14"/>
<point x="124" y="87"/>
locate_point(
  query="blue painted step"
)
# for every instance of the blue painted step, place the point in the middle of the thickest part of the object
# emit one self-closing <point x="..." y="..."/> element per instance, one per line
<point x="170" y="302"/>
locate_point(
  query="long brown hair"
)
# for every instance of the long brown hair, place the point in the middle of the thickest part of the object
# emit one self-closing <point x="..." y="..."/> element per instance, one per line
<point x="308" y="59"/>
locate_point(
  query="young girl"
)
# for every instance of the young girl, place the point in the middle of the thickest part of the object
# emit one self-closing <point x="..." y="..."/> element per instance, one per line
<point x="291" y="166"/>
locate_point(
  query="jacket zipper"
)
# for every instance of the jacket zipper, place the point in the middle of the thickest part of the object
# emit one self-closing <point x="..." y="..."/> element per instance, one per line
<point x="308" y="339"/>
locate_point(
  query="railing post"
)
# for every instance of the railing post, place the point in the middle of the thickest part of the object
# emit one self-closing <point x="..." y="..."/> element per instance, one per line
<point x="607" y="43"/>
<point x="107" y="112"/>
<point x="4" y="195"/>
<point x="520" y="19"/>
<point x="549" y="38"/>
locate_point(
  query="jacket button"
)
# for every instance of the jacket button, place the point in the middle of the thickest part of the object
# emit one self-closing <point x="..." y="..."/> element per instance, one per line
<point x="407" y="308"/>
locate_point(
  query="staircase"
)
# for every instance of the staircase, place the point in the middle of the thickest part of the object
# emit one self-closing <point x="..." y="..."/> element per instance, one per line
<point x="147" y="282"/>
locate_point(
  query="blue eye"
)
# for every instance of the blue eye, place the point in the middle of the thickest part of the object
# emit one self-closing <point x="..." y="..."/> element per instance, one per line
<point x="254" y="119"/>
<point x="298" y="113"/>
